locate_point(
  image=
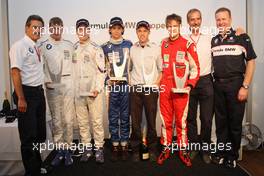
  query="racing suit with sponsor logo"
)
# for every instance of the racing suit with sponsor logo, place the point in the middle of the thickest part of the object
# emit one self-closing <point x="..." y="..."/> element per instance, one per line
<point x="119" y="94"/>
<point x="59" y="71"/>
<point x="89" y="69"/>
<point x="172" y="105"/>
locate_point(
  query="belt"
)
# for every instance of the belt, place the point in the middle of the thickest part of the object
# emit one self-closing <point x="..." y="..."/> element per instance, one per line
<point x="222" y="80"/>
<point x="120" y="82"/>
<point x="138" y="85"/>
<point x="168" y="77"/>
<point x="65" y="75"/>
<point x="84" y="76"/>
<point x="206" y="76"/>
<point x="32" y="87"/>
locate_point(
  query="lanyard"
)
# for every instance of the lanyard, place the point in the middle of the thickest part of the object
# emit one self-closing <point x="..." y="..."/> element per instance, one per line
<point x="38" y="53"/>
<point x="195" y="42"/>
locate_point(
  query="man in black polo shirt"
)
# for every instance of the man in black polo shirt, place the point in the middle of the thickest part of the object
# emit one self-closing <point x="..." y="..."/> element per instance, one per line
<point x="234" y="65"/>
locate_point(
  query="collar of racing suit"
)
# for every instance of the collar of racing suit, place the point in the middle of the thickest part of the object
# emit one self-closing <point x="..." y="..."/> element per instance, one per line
<point x="54" y="41"/>
<point x="116" y="42"/>
<point x="85" y="43"/>
<point x="172" y="42"/>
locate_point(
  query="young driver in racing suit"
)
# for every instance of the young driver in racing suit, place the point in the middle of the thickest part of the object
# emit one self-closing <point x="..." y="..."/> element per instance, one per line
<point x="176" y="50"/>
<point x="118" y="48"/>
<point x="89" y="69"/>
<point x="59" y="71"/>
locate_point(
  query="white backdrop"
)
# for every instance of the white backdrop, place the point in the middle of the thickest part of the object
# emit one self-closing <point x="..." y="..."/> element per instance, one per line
<point x="258" y="84"/>
<point x="100" y="12"/>
<point x="2" y="73"/>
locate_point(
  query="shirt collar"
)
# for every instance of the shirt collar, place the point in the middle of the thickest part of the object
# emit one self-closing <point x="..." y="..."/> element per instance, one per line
<point x="147" y="44"/>
<point x="116" y="42"/>
<point x="29" y="40"/>
<point x="86" y="43"/>
<point x="54" y="41"/>
<point x="173" y="41"/>
<point x="232" y="32"/>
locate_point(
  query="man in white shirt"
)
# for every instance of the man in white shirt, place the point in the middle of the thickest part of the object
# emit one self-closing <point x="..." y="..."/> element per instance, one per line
<point x="203" y="93"/>
<point x="57" y="54"/>
<point x="28" y="77"/>
<point x="89" y="69"/>
<point x="145" y="75"/>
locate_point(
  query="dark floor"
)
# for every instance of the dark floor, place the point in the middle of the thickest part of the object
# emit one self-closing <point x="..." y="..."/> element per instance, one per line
<point x="253" y="162"/>
<point x="171" y="167"/>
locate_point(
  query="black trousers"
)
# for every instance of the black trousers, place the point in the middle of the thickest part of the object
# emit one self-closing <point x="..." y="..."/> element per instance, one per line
<point x="202" y="94"/>
<point x="229" y="113"/>
<point x="148" y="100"/>
<point x="32" y="128"/>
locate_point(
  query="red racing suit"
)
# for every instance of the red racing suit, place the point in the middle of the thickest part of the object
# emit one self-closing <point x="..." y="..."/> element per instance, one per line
<point x="176" y="104"/>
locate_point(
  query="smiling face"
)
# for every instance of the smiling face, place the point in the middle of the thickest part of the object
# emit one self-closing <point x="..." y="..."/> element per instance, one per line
<point x="194" y="21"/>
<point x="223" y="21"/>
<point x="173" y="28"/>
<point x="56" y="31"/>
<point x="116" y="32"/>
<point x="143" y="34"/>
<point x="33" y="30"/>
<point x="83" y="33"/>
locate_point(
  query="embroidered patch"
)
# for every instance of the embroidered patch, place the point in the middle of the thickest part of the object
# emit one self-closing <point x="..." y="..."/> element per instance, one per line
<point x="86" y="58"/>
<point x="31" y="50"/>
<point x="166" y="57"/>
<point x="180" y="55"/>
<point x="66" y="54"/>
<point x="74" y="58"/>
<point x="165" y="65"/>
<point x="216" y="41"/>
<point x="48" y="46"/>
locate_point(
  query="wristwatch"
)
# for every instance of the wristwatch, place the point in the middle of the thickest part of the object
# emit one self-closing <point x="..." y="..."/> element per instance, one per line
<point x="245" y="86"/>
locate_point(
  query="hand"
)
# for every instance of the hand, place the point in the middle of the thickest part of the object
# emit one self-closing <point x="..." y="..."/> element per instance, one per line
<point x="22" y="105"/>
<point x="47" y="85"/>
<point x="95" y="93"/>
<point x="157" y="83"/>
<point x="109" y="82"/>
<point x="242" y="94"/>
<point x="189" y="88"/>
<point x="239" y="31"/>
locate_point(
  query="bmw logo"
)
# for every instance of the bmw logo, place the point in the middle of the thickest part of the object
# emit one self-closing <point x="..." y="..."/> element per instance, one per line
<point x="31" y="50"/>
<point x="216" y="41"/>
<point x="48" y="46"/>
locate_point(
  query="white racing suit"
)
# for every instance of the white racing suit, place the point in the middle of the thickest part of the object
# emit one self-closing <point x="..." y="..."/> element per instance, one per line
<point x="89" y="66"/>
<point x="59" y="71"/>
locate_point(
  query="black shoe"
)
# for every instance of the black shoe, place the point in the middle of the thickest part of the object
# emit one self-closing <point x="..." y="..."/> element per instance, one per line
<point x="153" y="156"/>
<point x="193" y="154"/>
<point x="217" y="159"/>
<point x="230" y="163"/>
<point x="206" y="158"/>
<point x="115" y="153"/>
<point x="46" y="169"/>
<point x="135" y="157"/>
<point x="124" y="153"/>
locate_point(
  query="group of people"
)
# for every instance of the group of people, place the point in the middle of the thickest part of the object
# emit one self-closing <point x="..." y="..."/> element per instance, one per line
<point x="214" y="73"/>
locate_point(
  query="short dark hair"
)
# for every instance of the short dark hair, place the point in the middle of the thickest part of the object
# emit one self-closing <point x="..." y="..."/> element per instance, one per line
<point x="55" y="21"/>
<point x="192" y="11"/>
<point x="223" y="9"/>
<point x="173" y="17"/>
<point x="33" y="17"/>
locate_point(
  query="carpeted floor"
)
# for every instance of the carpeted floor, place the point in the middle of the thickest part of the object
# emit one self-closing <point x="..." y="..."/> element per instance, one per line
<point x="253" y="162"/>
<point x="171" y="167"/>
